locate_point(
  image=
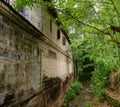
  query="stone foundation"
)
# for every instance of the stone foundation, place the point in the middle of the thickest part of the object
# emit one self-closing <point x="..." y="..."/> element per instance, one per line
<point x="52" y="96"/>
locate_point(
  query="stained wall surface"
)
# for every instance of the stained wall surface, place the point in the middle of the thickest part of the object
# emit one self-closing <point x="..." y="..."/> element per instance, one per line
<point x="30" y="62"/>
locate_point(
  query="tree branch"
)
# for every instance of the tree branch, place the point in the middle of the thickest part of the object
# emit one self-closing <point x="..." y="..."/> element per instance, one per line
<point x="116" y="10"/>
<point x="68" y="13"/>
<point x="93" y="27"/>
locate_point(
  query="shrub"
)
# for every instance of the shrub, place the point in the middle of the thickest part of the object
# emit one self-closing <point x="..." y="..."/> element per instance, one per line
<point x="70" y="94"/>
<point x="99" y="78"/>
<point x="76" y="86"/>
<point x="89" y="104"/>
<point x="75" y="89"/>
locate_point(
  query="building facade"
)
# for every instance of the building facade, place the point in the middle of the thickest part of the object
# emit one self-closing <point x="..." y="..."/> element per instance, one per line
<point x="57" y="36"/>
<point x="35" y="64"/>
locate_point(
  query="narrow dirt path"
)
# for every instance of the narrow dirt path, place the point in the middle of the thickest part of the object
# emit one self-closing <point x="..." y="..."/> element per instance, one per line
<point x="83" y="98"/>
<point x="86" y="98"/>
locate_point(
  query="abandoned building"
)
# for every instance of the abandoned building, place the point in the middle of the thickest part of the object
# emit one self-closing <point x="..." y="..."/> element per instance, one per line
<point x="36" y="65"/>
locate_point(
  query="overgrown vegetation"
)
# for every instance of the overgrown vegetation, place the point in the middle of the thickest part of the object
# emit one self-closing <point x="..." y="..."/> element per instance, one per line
<point x="100" y="77"/>
<point x="89" y="104"/>
<point x="102" y="56"/>
<point x="94" y="26"/>
<point x="82" y="60"/>
<point x="73" y="91"/>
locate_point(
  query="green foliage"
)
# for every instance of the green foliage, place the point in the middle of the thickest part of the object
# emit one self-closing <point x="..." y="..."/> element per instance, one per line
<point x="104" y="56"/>
<point x="106" y="59"/>
<point x="81" y="53"/>
<point x="76" y="86"/>
<point x="30" y="3"/>
<point x="70" y="94"/>
<point x="73" y="91"/>
<point x="89" y="104"/>
<point x="100" y="77"/>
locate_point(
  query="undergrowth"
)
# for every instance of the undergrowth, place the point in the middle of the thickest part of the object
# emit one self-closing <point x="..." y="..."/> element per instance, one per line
<point x="73" y="91"/>
<point x="100" y="77"/>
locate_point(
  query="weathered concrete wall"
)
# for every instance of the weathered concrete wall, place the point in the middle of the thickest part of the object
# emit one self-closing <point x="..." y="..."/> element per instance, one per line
<point x="40" y="18"/>
<point x="51" y="96"/>
<point x="63" y="62"/>
<point x="20" y="62"/>
<point x="32" y="67"/>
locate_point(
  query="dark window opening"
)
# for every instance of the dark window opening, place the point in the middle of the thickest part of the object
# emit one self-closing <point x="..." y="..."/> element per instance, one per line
<point x="50" y="25"/>
<point x="58" y="34"/>
<point x="63" y="41"/>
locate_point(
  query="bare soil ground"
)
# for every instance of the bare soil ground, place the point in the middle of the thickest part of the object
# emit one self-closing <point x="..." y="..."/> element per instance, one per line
<point x="86" y="99"/>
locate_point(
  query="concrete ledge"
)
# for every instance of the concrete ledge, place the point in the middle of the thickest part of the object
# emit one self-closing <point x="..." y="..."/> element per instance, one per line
<point x="51" y="96"/>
